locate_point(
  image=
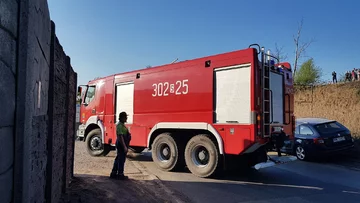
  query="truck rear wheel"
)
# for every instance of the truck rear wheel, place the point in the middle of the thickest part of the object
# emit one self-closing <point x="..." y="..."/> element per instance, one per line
<point x="94" y="144"/>
<point x="201" y="156"/>
<point x="165" y="152"/>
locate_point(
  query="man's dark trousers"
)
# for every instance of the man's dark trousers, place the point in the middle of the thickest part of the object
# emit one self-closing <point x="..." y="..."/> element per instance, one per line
<point x="120" y="159"/>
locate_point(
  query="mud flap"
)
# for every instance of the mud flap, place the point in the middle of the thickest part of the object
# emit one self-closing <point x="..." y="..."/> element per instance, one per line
<point x="274" y="160"/>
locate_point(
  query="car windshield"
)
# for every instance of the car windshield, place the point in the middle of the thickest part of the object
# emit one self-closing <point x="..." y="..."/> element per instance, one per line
<point x="329" y="127"/>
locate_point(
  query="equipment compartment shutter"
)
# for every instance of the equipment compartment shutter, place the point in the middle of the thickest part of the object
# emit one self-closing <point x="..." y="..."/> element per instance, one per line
<point x="125" y="100"/>
<point x="232" y="100"/>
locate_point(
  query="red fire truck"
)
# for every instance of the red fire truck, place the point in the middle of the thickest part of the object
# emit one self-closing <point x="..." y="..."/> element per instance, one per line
<point x="196" y="113"/>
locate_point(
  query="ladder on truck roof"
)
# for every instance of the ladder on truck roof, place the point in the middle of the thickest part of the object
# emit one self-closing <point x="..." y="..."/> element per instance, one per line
<point x="266" y="94"/>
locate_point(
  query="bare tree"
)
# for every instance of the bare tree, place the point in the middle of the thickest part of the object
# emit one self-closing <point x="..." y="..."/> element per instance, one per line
<point x="279" y="53"/>
<point x="300" y="47"/>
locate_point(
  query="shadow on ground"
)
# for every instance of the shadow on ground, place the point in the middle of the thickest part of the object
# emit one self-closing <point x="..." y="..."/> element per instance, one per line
<point x="142" y="157"/>
<point x="101" y="189"/>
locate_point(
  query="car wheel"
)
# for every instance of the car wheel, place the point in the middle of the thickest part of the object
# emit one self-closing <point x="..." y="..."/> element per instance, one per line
<point x="300" y="153"/>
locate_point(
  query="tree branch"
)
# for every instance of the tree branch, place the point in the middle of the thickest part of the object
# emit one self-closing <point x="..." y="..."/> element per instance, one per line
<point x="279" y="53"/>
<point x="300" y="47"/>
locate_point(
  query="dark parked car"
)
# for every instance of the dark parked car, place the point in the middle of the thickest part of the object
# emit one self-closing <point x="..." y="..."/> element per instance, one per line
<point x="318" y="136"/>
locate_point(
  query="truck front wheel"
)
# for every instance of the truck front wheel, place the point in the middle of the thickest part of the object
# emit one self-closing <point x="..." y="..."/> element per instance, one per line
<point x="94" y="144"/>
<point x="165" y="152"/>
<point x="201" y="156"/>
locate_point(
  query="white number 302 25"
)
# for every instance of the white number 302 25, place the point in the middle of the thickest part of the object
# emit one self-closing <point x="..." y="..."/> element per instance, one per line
<point x="166" y="88"/>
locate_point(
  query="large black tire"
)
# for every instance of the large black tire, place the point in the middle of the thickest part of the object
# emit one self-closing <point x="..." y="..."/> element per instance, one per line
<point x="94" y="144"/>
<point x="165" y="152"/>
<point x="137" y="149"/>
<point x="202" y="156"/>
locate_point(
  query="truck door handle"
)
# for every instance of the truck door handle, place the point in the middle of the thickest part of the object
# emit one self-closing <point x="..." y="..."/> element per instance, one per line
<point x="93" y="111"/>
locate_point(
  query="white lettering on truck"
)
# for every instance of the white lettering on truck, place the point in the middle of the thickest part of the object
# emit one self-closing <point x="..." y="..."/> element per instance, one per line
<point x="165" y="88"/>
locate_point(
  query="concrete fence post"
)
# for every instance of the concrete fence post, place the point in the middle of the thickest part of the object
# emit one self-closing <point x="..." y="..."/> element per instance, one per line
<point x="51" y="115"/>
<point x="66" y="131"/>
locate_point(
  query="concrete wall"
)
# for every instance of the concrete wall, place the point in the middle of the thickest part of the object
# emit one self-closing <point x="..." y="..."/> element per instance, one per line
<point x="62" y="96"/>
<point x="8" y="40"/>
<point x="37" y="108"/>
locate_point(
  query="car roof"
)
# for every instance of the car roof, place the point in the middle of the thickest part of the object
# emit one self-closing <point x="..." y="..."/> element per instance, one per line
<point x="312" y="121"/>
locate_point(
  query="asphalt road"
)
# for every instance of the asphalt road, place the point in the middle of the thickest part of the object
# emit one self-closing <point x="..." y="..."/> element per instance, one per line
<point x="292" y="182"/>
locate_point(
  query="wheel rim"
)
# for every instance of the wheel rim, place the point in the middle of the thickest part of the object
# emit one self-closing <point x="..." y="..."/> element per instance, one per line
<point x="300" y="153"/>
<point x="200" y="156"/>
<point x="95" y="143"/>
<point x="164" y="152"/>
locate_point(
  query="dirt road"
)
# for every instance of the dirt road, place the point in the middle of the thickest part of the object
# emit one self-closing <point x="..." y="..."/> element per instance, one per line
<point x="92" y="183"/>
<point x="296" y="181"/>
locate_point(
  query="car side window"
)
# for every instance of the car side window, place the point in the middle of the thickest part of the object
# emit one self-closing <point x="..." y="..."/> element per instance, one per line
<point x="304" y="130"/>
<point x="297" y="130"/>
<point x="90" y="94"/>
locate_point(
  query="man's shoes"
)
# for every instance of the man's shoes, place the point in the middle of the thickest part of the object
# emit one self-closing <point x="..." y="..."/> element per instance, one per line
<point x="118" y="177"/>
<point x="113" y="176"/>
<point x="123" y="177"/>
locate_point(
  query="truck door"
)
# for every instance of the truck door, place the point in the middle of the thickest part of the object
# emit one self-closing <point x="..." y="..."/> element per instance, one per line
<point x="89" y="104"/>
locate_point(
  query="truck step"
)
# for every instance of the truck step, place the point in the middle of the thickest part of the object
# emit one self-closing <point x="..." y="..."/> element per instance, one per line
<point x="274" y="160"/>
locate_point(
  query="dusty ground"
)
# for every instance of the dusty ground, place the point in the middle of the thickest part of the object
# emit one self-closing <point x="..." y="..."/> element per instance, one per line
<point x="92" y="183"/>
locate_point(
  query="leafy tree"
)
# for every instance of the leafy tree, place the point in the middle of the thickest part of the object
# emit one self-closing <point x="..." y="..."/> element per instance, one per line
<point x="308" y="73"/>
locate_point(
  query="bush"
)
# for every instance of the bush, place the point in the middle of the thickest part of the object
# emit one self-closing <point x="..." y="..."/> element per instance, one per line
<point x="308" y="73"/>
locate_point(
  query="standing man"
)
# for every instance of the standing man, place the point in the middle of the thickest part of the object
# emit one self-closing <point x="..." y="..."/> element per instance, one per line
<point x="279" y="139"/>
<point x="123" y="138"/>
<point x="334" y="77"/>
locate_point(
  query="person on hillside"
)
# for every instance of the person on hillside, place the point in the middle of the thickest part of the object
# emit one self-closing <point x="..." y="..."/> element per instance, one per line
<point x="353" y="75"/>
<point x="347" y="76"/>
<point x="123" y="138"/>
<point x="334" y="77"/>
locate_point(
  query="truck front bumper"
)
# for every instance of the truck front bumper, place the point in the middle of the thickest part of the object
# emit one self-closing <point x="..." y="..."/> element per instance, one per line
<point x="81" y="131"/>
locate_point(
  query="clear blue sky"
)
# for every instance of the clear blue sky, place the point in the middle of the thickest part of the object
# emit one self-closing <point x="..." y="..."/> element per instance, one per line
<point x="113" y="36"/>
